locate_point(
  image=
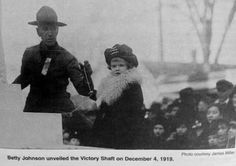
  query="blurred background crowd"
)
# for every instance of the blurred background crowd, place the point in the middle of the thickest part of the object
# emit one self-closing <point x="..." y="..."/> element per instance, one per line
<point x="194" y="120"/>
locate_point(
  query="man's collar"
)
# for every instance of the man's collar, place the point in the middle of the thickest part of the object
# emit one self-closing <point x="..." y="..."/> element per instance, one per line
<point x="44" y="47"/>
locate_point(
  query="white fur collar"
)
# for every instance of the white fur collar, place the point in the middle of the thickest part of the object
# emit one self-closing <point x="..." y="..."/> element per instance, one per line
<point x="111" y="87"/>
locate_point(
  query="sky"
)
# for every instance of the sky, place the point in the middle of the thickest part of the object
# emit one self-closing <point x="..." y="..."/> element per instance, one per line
<point x="94" y="25"/>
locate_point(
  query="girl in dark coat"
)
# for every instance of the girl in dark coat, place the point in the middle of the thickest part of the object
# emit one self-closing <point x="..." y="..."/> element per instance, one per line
<point x="214" y="114"/>
<point x="180" y="139"/>
<point x="120" y="101"/>
<point x="156" y="136"/>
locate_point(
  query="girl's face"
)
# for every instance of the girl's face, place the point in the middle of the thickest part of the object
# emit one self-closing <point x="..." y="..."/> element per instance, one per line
<point x="234" y="100"/>
<point x="212" y="140"/>
<point x="158" y="130"/>
<point x="202" y="106"/>
<point x="174" y="111"/>
<point x="74" y="141"/>
<point x="232" y="131"/>
<point x="213" y="113"/>
<point x="66" y="135"/>
<point x="118" y="66"/>
<point x="222" y="129"/>
<point x="181" y="130"/>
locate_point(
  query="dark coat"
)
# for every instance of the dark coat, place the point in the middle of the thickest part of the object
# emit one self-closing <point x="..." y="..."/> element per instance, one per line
<point x="179" y="142"/>
<point x="156" y="143"/>
<point x="48" y="92"/>
<point x="187" y="111"/>
<point x="119" y="118"/>
<point x="227" y="110"/>
<point x="208" y="129"/>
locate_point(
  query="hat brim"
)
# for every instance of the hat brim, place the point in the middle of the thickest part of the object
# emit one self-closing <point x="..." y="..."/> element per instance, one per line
<point x="36" y="23"/>
<point x="132" y="59"/>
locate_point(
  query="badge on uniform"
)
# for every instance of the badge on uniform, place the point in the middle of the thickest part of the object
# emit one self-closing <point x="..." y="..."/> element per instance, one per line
<point x="46" y="66"/>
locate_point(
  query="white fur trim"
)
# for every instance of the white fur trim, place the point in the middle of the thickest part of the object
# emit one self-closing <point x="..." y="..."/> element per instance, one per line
<point x="111" y="87"/>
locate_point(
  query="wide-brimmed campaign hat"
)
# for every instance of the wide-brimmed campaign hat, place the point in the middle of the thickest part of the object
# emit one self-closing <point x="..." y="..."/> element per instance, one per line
<point x="46" y="15"/>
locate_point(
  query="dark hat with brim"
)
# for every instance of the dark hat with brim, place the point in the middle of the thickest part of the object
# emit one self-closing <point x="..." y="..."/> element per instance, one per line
<point x="186" y="92"/>
<point x="224" y="85"/>
<point x="46" y="15"/>
<point x="121" y="51"/>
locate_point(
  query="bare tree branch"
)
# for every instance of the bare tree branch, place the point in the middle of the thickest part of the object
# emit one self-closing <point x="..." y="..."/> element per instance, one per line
<point x="194" y="22"/>
<point x="205" y="9"/>
<point x="181" y="11"/>
<point x="213" y="7"/>
<point x="196" y="10"/>
<point x="230" y="19"/>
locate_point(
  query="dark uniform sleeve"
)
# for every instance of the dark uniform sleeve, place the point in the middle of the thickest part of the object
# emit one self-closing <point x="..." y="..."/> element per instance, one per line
<point x="24" y="77"/>
<point x="77" y="77"/>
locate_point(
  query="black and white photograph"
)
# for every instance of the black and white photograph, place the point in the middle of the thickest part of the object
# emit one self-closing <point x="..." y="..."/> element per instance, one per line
<point x="118" y="74"/>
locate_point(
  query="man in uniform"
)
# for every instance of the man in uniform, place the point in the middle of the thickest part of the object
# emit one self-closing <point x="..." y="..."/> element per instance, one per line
<point x="47" y="67"/>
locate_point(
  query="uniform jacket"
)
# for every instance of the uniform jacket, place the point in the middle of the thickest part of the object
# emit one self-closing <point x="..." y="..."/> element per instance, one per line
<point x="48" y="92"/>
<point x="118" y="120"/>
